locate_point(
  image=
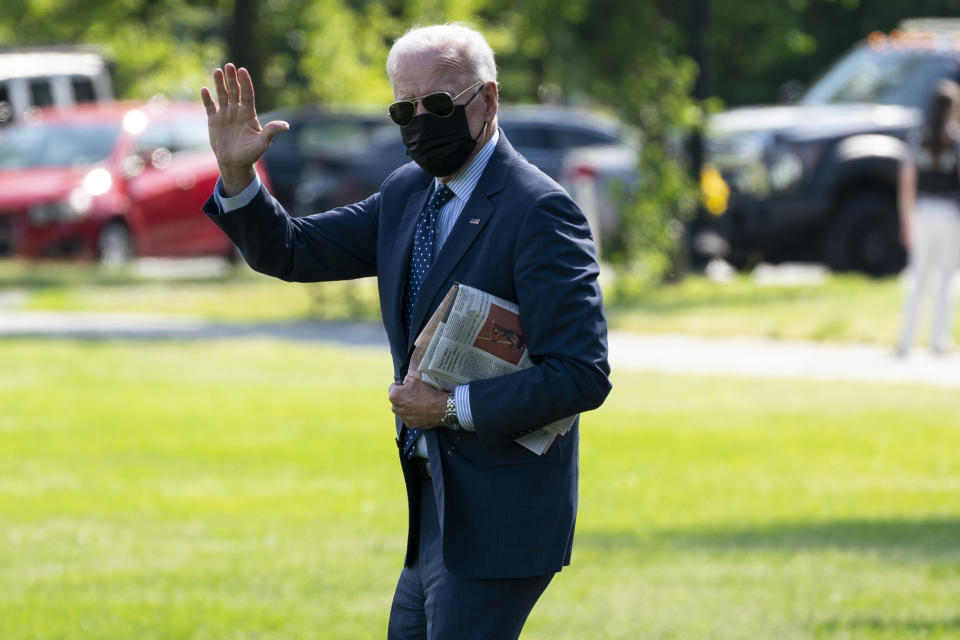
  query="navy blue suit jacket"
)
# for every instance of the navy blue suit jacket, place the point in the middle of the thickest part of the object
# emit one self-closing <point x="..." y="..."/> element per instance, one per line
<point x="504" y="512"/>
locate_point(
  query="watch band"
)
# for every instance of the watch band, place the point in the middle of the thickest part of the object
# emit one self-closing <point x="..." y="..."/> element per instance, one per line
<point x="450" y="416"/>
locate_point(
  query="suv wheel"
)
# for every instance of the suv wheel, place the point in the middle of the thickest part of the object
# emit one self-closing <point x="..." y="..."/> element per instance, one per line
<point x="115" y="245"/>
<point x="865" y="236"/>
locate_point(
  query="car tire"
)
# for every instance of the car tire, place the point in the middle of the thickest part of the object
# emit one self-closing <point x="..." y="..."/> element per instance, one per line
<point x="865" y="236"/>
<point x="115" y="244"/>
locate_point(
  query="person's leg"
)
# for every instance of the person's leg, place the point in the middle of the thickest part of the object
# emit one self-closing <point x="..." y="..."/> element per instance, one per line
<point x="408" y="618"/>
<point x="464" y="609"/>
<point x="918" y="273"/>
<point x="481" y="609"/>
<point x="947" y="257"/>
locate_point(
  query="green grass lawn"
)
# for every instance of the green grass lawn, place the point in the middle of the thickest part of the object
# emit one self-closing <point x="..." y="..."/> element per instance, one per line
<point x="241" y="295"/>
<point x="242" y="489"/>
<point x="845" y="308"/>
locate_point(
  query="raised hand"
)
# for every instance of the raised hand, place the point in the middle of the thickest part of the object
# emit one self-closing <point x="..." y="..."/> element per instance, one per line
<point x="236" y="136"/>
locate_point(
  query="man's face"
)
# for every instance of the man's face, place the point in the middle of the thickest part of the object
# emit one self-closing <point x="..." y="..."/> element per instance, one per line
<point x="420" y="74"/>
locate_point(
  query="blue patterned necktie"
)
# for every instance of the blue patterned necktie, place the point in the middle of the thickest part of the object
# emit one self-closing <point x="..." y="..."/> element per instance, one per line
<point x="421" y="258"/>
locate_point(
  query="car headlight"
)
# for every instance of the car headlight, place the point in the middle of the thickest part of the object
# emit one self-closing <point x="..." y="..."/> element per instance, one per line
<point x="788" y="165"/>
<point x="77" y="204"/>
<point x="98" y="182"/>
<point x="785" y="170"/>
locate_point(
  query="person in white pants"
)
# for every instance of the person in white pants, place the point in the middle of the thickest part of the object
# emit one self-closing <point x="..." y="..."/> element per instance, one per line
<point x="929" y="204"/>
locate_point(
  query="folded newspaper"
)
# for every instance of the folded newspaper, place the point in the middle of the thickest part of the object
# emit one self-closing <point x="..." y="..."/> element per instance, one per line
<point x="474" y="335"/>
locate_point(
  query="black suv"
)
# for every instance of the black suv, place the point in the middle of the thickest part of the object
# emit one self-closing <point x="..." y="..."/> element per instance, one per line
<point x="817" y="180"/>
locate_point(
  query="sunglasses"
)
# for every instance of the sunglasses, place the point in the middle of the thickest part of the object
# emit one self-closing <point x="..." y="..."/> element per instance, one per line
<point x="439" y="104"/>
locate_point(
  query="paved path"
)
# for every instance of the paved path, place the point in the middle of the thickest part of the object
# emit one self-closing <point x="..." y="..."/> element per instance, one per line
<point x="137" y="326"/>
<point x="773" y="358"/>
<point x="668" y="353"/>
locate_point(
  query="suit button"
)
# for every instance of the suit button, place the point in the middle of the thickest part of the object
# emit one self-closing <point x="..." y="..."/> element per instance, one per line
<point x="450" y="452"/>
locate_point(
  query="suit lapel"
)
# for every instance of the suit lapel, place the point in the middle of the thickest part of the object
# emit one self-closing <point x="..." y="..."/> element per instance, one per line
<point x="474" y="217"/>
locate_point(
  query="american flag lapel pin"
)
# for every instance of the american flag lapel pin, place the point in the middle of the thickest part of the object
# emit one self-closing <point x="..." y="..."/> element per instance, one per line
<point x="474" y="220"/>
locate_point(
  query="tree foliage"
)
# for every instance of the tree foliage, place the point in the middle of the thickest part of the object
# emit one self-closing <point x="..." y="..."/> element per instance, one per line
<point x="759" y="45"/>
<point x="625" y="57"/>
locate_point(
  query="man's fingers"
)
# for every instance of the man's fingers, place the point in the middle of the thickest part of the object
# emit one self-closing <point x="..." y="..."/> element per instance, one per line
<point x="394" y="393"/>
<point x="220" y="87"/>
<point x="207" y="101"/>
<point x="273" y="128"/>
<point x="233" y="85"/>
<point x="246" y="88"/>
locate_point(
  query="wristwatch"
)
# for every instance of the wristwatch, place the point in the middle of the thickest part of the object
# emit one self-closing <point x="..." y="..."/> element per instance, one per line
<point x="450" y="416"/>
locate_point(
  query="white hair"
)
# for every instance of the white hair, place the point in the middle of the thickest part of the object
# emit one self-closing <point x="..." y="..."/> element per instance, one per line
<point x="460" y="45"/>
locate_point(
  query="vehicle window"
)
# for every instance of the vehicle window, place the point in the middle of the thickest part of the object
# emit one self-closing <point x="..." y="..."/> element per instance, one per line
<point x="384" y="134"/>
<point x="531" y="136"/>
<point x="159" y="135"/>
<point x="41" y="94"/>
<point x="56" y="145"/>
<point x="584" y="137"/>
<point x="82" y="89"/>
<point x="332" y="137"/>
<point x="191" y="135"/>
<point x="888" y="76"/>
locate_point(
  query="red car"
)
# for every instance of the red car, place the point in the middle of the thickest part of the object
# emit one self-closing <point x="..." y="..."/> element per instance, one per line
<point x="109" y="182"/>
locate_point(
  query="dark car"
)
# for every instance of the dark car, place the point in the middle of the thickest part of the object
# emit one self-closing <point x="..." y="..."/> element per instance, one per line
<point x="331" y="159"/>
<point x="818" y="180"/>
<point x="319" y="141"/>
<point x="109" y="181"/>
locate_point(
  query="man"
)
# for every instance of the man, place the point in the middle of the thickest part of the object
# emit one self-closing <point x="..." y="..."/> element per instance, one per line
<point x="490" y="522"/>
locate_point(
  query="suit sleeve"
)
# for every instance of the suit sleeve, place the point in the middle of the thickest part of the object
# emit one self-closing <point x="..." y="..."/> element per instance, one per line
<point x="337" y="245"/>
<point x="561" y="311"/>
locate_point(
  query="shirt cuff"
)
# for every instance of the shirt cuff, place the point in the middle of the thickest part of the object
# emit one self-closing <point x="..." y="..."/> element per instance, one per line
<point x="227" y="204"/>
<point x="461" y="396"/>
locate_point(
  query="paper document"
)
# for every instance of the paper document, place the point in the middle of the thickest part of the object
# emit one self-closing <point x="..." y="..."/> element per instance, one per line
<point x="474" y="335"/>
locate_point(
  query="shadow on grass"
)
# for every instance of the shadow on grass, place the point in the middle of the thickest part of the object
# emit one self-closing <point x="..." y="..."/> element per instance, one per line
<point x="64" y="274"/>
<point x="353" y="333"/>
<point x="914" y="537"/>
<point x="901" y="628"/>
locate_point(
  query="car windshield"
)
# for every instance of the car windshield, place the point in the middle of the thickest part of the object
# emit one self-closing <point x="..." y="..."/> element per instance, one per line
<point x="885" y="76"/>
<point x="29" y="145"/>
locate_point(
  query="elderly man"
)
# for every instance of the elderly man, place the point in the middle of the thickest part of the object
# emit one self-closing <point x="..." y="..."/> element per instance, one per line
<point x="490" y="522"/>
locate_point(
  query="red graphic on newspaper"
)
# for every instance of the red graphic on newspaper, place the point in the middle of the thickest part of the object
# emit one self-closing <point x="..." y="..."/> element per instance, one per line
<point x="501" y="335"/>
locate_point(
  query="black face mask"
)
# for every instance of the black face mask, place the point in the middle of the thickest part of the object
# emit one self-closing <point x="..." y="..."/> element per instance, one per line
<point x="440" y="146"/>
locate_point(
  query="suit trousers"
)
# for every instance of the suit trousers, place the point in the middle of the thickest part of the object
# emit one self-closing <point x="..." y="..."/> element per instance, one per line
<point x="431" y="603"/>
